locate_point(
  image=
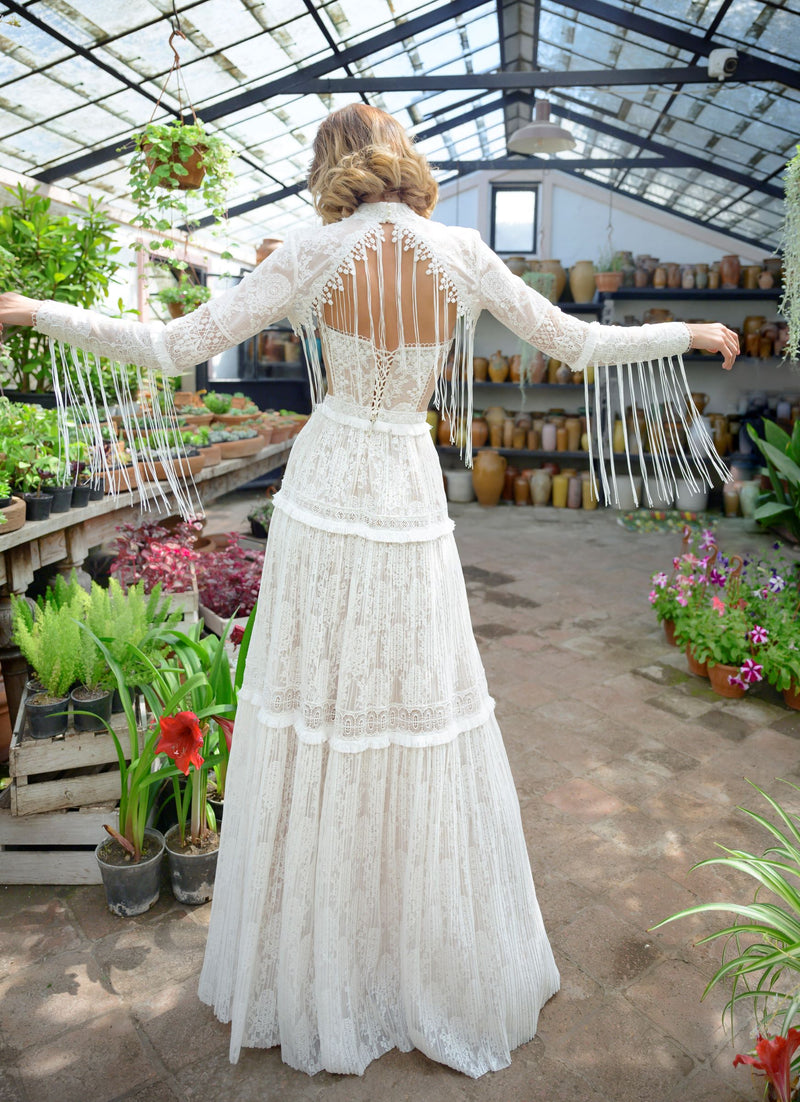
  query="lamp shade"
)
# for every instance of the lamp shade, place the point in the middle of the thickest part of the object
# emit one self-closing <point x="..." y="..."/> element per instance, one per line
<point x="541" y="135"/>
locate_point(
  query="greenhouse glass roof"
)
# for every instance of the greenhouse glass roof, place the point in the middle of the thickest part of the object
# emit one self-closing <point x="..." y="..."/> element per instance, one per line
<point x="629" y="78"/>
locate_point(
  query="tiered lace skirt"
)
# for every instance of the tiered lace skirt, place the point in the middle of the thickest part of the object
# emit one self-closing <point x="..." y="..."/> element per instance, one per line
<point x="373" y="888"/>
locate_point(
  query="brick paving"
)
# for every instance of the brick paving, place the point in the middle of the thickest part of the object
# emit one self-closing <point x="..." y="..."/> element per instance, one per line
<point x="628" y="771"/>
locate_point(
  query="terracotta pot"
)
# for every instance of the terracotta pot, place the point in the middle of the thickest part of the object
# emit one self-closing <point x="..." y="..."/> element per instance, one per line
<point x="496" y="435"/>
<point x="608" y="281"/>
<point x="514" y="368"/>
<point x="508" y="432"/>
<point x="554" y="266"/>
<point x="192" y="178"/>
<point x="517" y="264"/>
<point x="533" y="440"/>
<point x="699" y="669"/>
<point x="573" y="427"/>
<point x="187" y="465"/>
<point x="540" y="482"/>
<point x="15" y="516"/>
<point x="730" y="269"/>
<point x="669" y="631"/>
<point x="488" y="476"/>
<point x="480" y="368"/>
<point x="673" y="275"/>
<point x="267" y="248"/>
<point x="480" y="432"/>
<point x="718" y="675"/>
<point x="522" y="490"/>
<point x="238" y="449"/>
<point x="641" y="277"/>
<point x="508" y="483"/>
<point x="581" y="281"/>
<point x="538" y="367"/>
<point x="443" y="432"/>
<point x="183" y="398"/>
<point x="561" y="439"/>
<point x="751" y="274"/>
<point x="498" y="368"/>
<point x="791" y="697"/>
<point x="519" y="437"/>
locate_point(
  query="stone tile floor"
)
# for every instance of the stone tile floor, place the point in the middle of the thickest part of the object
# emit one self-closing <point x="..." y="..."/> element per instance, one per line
<point x="628" y="771"/>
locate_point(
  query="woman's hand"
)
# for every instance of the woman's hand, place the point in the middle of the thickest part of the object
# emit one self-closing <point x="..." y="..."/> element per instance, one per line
<point x="16" y="309"/>
<point x="710" y="337"/>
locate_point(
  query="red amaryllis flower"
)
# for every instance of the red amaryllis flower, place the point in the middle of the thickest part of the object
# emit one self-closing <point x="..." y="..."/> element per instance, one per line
<point x="181" y="739"/>
<point x="774" y="1058"/>
<point x="227" y="729"/>
<point x="237" y="635"/>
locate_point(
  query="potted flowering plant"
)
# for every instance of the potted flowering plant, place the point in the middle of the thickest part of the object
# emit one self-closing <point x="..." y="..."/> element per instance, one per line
<point x="154" y="555"/>
<point x="776" y="608"/>
<point x="183" y="297"/>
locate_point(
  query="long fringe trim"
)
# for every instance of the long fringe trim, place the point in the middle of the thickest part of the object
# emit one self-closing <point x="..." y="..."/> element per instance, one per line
<point x="88" y="433"/>
<point x="660" y="425"/>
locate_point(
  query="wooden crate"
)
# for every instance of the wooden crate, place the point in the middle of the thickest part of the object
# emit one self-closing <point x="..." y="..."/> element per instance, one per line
<point x="54" y="847"/>
<point x="68" y="771"/>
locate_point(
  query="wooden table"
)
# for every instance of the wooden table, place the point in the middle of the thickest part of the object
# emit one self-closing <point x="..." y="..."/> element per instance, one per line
<point x="66" y="538"/>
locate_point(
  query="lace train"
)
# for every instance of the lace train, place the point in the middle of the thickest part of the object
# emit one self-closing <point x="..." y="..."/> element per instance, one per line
<point x="372" y="901"/>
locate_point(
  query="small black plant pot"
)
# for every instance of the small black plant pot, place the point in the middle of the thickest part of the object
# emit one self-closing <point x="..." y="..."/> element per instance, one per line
<point x="38" y="506"/>
<point x="191" y="874"/>
<point x="80" y="496"/>
<point x="131" y="889"/>
<point x="62" y="498"/>
<point x="4" y="501"/>
<point x="218" y="806"/>
<point x="47" y="719"/>
<point x="258" y="529"/>
<point x="98" y="706"/>
<point x="116" y="703"/>
<point x="96" y="492"/>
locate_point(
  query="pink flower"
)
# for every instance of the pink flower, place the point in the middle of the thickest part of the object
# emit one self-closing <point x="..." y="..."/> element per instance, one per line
<point x="734" y="679"/>
<point x="759" y="635"/>
<point x="719" y="605"/>
<point x="751" y="671"/>
<point x="716" y="577"/>
<point x="707" y="542"/>
<point x="676" y="562"/>
<point x="660" y="579"/>
<point x="651" y="596"/>
<point x="682" y="600"/>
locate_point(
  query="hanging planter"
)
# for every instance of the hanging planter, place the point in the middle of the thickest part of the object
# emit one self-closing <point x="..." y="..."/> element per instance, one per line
<point x="790" y="303"/>
<point x="176" y="162"/>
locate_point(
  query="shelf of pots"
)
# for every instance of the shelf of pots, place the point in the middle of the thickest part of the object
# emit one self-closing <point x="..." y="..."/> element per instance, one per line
<point x="739" y="623"/>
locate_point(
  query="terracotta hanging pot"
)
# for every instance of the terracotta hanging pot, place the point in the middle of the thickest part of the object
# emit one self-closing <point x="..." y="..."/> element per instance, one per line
<point x="195" y="172"/>
<point x="488" y="476"/>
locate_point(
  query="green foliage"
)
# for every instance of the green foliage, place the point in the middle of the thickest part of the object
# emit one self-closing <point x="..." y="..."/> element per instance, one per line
<point x="216" y="402"/>
<point x="156" y="186"/>
<point x="610" y="261"/>
<point x="47" y="256"/>
<point x="137" y="620"/>
<point x="761" y="954"/>
<point x="185" y="292"/>
<point x="50" y="642"/>
<point x="780" y="507"/>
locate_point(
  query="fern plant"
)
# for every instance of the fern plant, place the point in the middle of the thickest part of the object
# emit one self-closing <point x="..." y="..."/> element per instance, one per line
<point x="50" y="642"/>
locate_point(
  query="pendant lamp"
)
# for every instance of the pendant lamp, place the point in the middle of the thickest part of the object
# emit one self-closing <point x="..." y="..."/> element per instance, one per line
<point x="541" y="135"/>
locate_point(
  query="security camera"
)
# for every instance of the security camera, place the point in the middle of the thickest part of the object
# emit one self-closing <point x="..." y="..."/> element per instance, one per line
<point x="722" y="63"/>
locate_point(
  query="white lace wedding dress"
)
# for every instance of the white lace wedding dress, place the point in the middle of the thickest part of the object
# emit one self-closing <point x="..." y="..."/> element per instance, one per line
<point x="373" y="888"/>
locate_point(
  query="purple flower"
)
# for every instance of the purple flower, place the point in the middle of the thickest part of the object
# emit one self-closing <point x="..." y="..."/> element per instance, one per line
<point x="660" y="580"/>
<point x="716" y="578"/>
<point x="776" y="583"/>
<point x="751" y="671"/>
<point x="708" y="541"/>
<point x="734" y="679"/>
<point x="676" y="562"/>
<point x="758" y="635"/>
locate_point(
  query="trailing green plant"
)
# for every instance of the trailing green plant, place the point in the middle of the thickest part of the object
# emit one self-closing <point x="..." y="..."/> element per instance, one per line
<point x="790" y="302"/>
<point x="216" y="402"/>
<point x="47" y="256"/>
<point x="780" y="507"/>
<point x="156" y="172"/>
<point x="761" y="945"/>
<point x="186" y="293"/>
<point x="609" y="261"/>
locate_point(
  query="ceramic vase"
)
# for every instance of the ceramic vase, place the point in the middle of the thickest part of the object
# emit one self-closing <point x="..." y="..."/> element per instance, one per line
<point x="588" y="497"/>
<point x="549" y="437"/>
<point x="538" y="367"/>
<point x="730" y="269"/>
<point x="498" y="368"/>
<point x="540" y="484"/>
<point x="480" y="432"/>
<point x="488" y="476"/>
<point x="581" y="281"/>
<point x="560" y="487"/>
<point x="748" y="496"/>
<point x="480" y="368"/>
<point x="554" y="266"/>
<point x="522" y="490"/>
<point x="574" y="493"/>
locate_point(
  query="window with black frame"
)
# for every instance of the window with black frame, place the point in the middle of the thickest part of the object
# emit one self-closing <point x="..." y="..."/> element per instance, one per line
<point x="514" y="226"/>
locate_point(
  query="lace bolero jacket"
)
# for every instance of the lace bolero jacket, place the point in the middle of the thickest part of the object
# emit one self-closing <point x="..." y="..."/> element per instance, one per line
<point x="316" y="270"/>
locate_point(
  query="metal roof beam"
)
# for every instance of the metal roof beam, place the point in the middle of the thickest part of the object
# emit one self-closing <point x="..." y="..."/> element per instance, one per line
<point x="751" y="70"/>
<point x="280" y="86"/>
<point x="511" y="164"/>
<point x="674" y="36"/>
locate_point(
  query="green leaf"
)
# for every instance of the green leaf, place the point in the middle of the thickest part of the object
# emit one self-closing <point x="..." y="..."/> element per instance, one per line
<point x="772" y="510"/>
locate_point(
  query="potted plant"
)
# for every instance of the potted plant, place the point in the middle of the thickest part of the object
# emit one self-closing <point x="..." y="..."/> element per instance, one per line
<point x="91" y="698"/>
<point x="154" y="555"/>
<point x="229" y="580"/>
<point x="48" y="638"/>
<point x="218" y="403"/>
<point x="184" y="297"/>
<point x="30" y="476"/>
<point x="260" y="518"/>
<point x="779" y="508"/>
<point x="608" y="273"/>
<point x="237" y="443"/>
<point x="175" y="162"/>
<point x="12" y="509"/>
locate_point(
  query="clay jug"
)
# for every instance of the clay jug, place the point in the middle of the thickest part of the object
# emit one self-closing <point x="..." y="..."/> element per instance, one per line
<point x="751" y="274"/>
<point x="564" y="374"/>
<point x="534" y="440"/>
<point x="496" y="434"/>
<point x="514" y="367"/>
<point x="267" y="248"/>
<point x="554" y="266"/>
<point x="574" y="493"/>
<point x="730" y="269"/>
<point x="498" y="368"/>
<point x="560" y="486"/>
<point x="522" y="490"/>
<point x="537" y="368"/>
<point x="687" y="278"/>
<point x="641" y="277"/>
<point x="519" y="437"/>
<point x="508" y="483"/>
<point x="508" y="432"/>
<point x="480" y="432"/>
<point x="766" y="280"/>
<point x="480" y="368"/>
<point x="540" y="483"/>
<point x="488" y="476"/>
<point x="660" y="278"/>
<point x="587" y="492"/>
<point x="561" y="439"/>
<point x="581" y="281"/>
<point x="549" y="436"/>
<point x="713" y="279"/>
<point x="701" y="276"/>
<point x="443" y="432"/>
<point x="673" y="275"/>
<point x="517" y="264"/>
<point x="573" y="427"/>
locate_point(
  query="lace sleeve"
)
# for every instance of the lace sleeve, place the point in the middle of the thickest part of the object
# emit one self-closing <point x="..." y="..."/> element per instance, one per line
<point x="577" y="343"/>
<point x="262" y="297"/>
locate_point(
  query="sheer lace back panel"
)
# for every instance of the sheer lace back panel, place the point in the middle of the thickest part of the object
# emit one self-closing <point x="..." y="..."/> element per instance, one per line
<point x="386" y="324"/>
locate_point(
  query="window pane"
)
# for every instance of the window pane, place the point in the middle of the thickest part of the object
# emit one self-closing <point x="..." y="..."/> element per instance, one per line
<point x="514" y="220"/>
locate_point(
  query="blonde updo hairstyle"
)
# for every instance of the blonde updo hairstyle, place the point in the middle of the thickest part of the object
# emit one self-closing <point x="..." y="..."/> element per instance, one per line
<point x="361" y="152"/>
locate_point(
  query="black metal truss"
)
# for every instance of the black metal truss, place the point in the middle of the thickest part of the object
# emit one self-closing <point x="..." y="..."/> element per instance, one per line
<point x="280" y="85"/>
